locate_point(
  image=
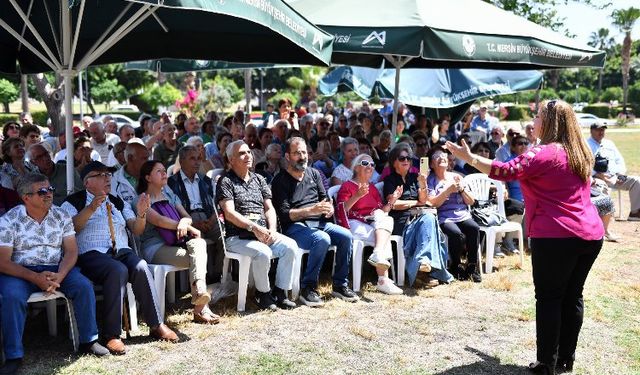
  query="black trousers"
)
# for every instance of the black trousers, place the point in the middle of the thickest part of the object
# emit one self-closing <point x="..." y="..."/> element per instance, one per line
<point x="461" y="235"/>
<point x="560" y="268"/>
<point x="113" y="274"/>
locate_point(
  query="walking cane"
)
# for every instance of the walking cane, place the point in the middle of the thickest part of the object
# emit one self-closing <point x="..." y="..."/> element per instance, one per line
<point x="114" y="253"/>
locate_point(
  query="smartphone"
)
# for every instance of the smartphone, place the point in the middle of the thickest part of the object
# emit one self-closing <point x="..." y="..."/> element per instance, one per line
<point x="424" y="166"/>
<point x="622" y="178"/>
<point x="292" y="114"/>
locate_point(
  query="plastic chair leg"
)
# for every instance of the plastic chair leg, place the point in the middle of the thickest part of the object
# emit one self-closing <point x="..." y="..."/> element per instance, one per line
<point x="490" y="245"/>
<point x="401" y="259"/>
<point x="297" y="269"/>
<point x="225" y="270"/>
<point x="52" y="317"/>
<point x="133" y="311"/>
<point x="243" y="283"/>
<point x="171" y="286"/>
<point x="73" y="325"/>
<point x="356" y="262"/>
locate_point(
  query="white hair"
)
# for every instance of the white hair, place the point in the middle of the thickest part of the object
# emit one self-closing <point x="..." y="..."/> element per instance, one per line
<point x="192" y="141"/>
<point x="231" y="146"/>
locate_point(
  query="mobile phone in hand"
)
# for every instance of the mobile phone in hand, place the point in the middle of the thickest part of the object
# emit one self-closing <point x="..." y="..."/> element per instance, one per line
<point x="424" y="166"/>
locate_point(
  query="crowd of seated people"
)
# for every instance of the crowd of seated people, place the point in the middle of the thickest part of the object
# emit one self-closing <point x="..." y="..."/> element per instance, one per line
<point x="273" y="195"/>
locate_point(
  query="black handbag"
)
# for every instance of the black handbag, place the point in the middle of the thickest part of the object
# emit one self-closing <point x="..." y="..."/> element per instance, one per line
<point x="601" y="164"/>
<point x="486" y="214"/>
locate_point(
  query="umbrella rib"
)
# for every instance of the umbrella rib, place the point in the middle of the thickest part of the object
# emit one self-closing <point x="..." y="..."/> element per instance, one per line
<point x="35" y="33"/>
<point x="164" y="27"/>
<point x="77" y="34"/>
<point x="53" y="31"/>
<point x="129" y="25"/>
<point x="24" y="27"/>
<point x="108" y="30"/>
<point x="31" y="48"/>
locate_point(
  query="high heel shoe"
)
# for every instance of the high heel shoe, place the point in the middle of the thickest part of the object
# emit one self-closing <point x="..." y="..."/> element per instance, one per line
<point x="541" y="368"/>
<point x="564" y="365"/>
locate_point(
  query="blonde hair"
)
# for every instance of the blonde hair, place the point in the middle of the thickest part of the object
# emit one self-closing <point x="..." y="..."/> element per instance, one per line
<point x="559" y="125"/>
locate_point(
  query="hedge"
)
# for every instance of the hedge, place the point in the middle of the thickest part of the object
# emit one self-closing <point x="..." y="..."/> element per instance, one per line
<point x="601" y="111"/>
<point x="517" y="113"/>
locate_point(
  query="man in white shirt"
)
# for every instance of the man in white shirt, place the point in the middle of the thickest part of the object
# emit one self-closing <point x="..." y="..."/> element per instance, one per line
<point x="615" y="173"/>
<point x="101" y="141"/>
<point x="125" y="179"/>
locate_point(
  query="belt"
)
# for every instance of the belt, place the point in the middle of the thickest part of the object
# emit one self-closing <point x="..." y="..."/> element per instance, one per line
<point x="198" y="210"/>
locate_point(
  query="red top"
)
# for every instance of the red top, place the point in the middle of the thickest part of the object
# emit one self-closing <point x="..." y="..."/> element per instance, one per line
<point x="365" y="205"/>
<point x="557" y="202"/>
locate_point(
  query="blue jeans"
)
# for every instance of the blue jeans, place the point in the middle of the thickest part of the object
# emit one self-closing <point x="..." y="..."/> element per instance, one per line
<point x="15" y="293"/>
<point x="318" y="242"/>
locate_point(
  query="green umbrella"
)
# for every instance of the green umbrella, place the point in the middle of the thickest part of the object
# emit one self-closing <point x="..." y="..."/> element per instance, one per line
<point x="66" y="36"/>
<point x="180" y="66"/>
<point x="441" y="34"/>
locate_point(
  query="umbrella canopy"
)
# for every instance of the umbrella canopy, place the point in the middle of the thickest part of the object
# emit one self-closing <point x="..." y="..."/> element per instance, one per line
<point x="118" y="31"/>
<point x="429" y="88"/>
<point x="450" y="34"/>
<point x="66" y="36"/>
<point x="179" y="66"/>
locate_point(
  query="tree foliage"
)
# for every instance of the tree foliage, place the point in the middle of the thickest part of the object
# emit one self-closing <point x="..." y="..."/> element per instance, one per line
<point x="8" y="93"/>
<point x="160" y="95"/>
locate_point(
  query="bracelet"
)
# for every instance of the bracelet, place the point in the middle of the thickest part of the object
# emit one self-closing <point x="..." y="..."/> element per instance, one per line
<point x="474" y="161"/>
<point x="143" y="216"/>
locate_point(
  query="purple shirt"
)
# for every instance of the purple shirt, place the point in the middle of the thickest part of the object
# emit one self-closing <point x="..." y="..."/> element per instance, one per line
<point x="453" y="209"/>
<point x="557" y="201"/>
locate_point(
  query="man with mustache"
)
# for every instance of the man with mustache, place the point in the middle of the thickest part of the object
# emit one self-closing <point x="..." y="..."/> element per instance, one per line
<point x="305" y="214"/>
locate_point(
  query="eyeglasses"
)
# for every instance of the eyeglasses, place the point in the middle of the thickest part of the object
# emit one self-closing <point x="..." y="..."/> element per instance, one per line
<point x="551" y="104"/>
<point x="403" y="158"/>
<point x="522" y="143"/>
<point x="43" y="191"/>
<point x="13" y="126"/>
<point x="367" y="163"/>
<point x="103" y="174"/>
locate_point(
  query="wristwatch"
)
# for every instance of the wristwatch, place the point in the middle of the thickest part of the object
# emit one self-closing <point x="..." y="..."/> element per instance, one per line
<point x="250" y="228"/>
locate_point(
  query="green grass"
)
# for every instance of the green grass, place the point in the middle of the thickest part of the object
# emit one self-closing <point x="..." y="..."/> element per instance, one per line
<point x="629" y="146"/>
<point x="264" y="364"/>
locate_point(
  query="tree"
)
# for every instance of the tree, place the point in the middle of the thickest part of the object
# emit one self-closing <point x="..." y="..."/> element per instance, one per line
<point x="624" y="19"/>
<point x="603" y="41"/>
<point x="8" y="93"/>
<point x="161" y="95"/>
<point x="108" y="91"/>
<point x="52" y="94"/>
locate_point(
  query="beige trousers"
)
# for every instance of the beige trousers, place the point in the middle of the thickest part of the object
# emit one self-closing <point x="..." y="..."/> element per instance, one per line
<point x="194" y="257"/>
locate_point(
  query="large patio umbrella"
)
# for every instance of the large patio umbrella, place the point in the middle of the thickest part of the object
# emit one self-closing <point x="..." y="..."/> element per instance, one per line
<point x="429" y="88"/>
<point x="66" y="36"/>
<point x="434" y="33"/>
<point x="182" y="66"/>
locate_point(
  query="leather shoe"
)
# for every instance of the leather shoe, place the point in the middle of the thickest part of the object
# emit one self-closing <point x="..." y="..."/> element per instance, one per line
<point x="163" y="333"/>
<point x="116" y="346"/>
<point x="11" y="366"/>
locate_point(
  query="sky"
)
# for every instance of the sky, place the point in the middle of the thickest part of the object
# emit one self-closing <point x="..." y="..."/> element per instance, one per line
<point x="582" y="20"/>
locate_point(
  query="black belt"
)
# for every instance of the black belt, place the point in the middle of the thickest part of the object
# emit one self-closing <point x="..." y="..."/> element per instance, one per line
<point x="198" y="210"/>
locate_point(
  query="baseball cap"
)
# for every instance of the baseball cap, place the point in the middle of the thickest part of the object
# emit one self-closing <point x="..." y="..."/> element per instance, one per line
<point x="95" y="166"/>
<point x="598" y="125"/>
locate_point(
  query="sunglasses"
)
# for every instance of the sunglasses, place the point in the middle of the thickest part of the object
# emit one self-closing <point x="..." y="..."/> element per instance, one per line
<point x="367" y="163"/>
<point x="495" y="133"/>
<point x="43" y="191"/>
<point x="403" y="158"/>
<point x="522" y="143"/>
<point x="13" y="126"/>
<point x="103" y="174"/>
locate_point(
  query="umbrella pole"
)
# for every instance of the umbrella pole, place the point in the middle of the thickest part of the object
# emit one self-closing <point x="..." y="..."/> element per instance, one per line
<point x="398" y="63"/>
<point x="68" y="128"/>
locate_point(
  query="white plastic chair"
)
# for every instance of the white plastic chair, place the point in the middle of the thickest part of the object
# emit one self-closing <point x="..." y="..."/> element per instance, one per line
<point x="399" y="246"/>
<point x="50" y="303"/>
<point x="214" y="173"/>
<point x="619" y="210"/>
<point x="164" y="278"/>
<point x="133" y="311"/>
<point x="480" y="184"/>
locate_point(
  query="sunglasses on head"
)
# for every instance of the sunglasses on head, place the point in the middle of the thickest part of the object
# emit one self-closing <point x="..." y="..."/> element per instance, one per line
<point x="551" y="104"/>
<point x="43" y="191"/>
<point x="403" y="158"/>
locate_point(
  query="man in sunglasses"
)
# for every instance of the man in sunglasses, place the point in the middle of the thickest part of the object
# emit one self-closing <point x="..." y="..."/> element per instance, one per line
<point x="38" y="252"/>
<point x="106" y="258"/>
<point x="306" y="214"/>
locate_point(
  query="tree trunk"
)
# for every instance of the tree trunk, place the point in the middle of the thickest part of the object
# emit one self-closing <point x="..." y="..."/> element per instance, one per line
<point x="24" y="93"/>
<point x="600" y="75"/>
<point x="53" y="98"/>
<point x="626" y="57"/>
<point x="554" y="76"/>
<point x="6" y="107"/>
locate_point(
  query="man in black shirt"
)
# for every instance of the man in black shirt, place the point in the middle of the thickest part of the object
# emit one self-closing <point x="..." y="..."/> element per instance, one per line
<point x="304" y="212"/>
<point x="250" y="223"/>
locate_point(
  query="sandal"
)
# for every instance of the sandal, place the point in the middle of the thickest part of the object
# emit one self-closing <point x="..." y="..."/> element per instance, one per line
<point x="206" y="317"/>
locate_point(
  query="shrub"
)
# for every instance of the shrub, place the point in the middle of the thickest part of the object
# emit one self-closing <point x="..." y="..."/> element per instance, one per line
<point x="597" y="110"/>
<point x="157" y="96"/>
<point x="517" y="113"/>
<point x="611" y="93"/>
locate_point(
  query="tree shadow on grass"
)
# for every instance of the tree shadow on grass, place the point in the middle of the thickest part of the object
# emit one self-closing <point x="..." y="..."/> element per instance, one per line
<point x="486" y="365"/>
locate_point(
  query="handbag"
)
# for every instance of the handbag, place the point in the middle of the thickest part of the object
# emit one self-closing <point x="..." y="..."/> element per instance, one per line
<point x="165" y="209"/>
<point x="601" y="164"/>
<point x="485" y="214"/>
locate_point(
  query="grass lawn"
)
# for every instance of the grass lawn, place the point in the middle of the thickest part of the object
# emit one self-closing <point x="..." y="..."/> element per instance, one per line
<point x="462" y="328"/>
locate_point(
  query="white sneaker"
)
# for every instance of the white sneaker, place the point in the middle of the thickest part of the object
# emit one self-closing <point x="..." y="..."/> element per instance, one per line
<point x="376" y="260"/>
<point x="608" y="236"/>
<point x="388" y="287"/>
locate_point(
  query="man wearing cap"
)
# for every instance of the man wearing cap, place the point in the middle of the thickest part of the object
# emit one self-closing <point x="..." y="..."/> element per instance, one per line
<point x="610" y="167"/>
<point x="125" y="179"/>
<point x="33" y="259"/>
<point x="101" y="220"/>
<point x="481" y="121"/>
